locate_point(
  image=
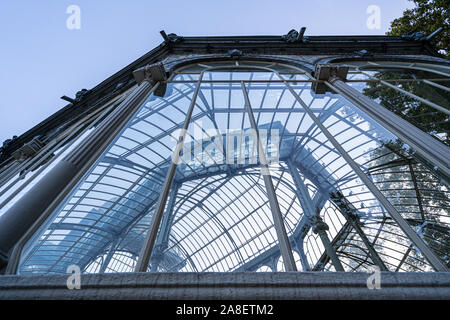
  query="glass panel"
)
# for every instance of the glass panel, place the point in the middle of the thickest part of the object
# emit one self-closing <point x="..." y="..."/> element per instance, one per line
<point x="383" y="157"/>
<point x="219" y="219"/>
<point x="423" y="116"/>
<point x="217" y="216"/>
<point x="120" y="189"/>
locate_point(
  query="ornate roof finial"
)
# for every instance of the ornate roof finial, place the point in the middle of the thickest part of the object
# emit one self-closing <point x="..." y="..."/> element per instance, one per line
<point x="235" y="53"/>
<point x="293" y="36"/>
<point x="171" y="37"/>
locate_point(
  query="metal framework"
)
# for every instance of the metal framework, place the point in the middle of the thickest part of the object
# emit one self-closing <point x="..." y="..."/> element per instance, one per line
<point x="309" y="182"/>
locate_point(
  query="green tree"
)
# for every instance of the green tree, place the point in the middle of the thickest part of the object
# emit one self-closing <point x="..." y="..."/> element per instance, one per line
<point x="426" y="17"/>
<point x="421" y="115"/>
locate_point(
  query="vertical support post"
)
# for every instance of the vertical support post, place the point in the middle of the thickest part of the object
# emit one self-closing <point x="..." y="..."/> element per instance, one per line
<point x="286" y="250"/>
<point x="301" y="190"/>
<point x="319" y="226"/>
<point x="435" y="262"/>
<point x="162" y="240"/>
<point x="109" y="256"/>
<point x="146" y="251"/>
<point x="301" y="253"/>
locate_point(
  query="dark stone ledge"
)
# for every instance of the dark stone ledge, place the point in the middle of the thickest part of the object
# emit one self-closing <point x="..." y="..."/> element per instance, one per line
<point x="230" y="286"/>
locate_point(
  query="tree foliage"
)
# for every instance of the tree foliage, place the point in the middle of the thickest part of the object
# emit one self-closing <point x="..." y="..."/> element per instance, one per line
<point x="426" y="17"/>
<point x="421" y="115"/>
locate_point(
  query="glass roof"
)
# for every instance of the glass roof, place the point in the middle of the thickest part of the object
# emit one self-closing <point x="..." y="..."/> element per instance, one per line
<point x="218" y="217"/>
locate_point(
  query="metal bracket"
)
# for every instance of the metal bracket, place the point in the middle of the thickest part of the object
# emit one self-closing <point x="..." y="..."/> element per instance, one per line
<point x="153" y="73"/>
<point x="363" y="53"/>
<point x="415" y="36"/>
<point x="80" y="95"/>
<point x="325" y="72"/>
<point x="318" y="224"/>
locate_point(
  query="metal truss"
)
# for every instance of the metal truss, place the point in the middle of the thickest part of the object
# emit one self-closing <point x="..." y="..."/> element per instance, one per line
<point x="345" y="196"/>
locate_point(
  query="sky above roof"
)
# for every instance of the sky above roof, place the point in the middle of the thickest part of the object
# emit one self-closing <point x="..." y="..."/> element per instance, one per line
<point x="42" y="59"/>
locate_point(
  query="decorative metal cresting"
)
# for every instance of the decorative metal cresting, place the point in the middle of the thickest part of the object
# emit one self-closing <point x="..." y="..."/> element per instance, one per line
<point x="170" y="38"/>
<point x="294" y="36"/>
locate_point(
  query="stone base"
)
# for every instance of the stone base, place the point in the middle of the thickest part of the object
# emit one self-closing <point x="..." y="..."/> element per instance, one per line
<point x="229" y="286"/>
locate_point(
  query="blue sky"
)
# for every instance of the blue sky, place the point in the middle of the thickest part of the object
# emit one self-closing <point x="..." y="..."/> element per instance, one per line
<point x="41" y="59"/>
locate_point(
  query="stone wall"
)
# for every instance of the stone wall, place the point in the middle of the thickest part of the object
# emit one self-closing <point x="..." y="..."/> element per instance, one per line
<point x="207" y="286"/>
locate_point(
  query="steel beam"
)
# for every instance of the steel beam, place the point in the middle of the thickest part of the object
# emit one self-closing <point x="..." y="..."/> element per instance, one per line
<point x="301" y="253"/>
<point x="319" y="226"/>
<point x="347" y="211"/>
<point x="429" y="255"/>
<point x="301" y="190"/>
<point x="286" y="250"/>
<point x="146" y="252"/>
<point x="44" y="197"/>
<point x="431" y="150"/>
<point x="409" y="94"/>
<point x="162" y="241"/>
<point x="109" y="255"/>
<point x="45" y="157"/>
<point x="337" y="242"/>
